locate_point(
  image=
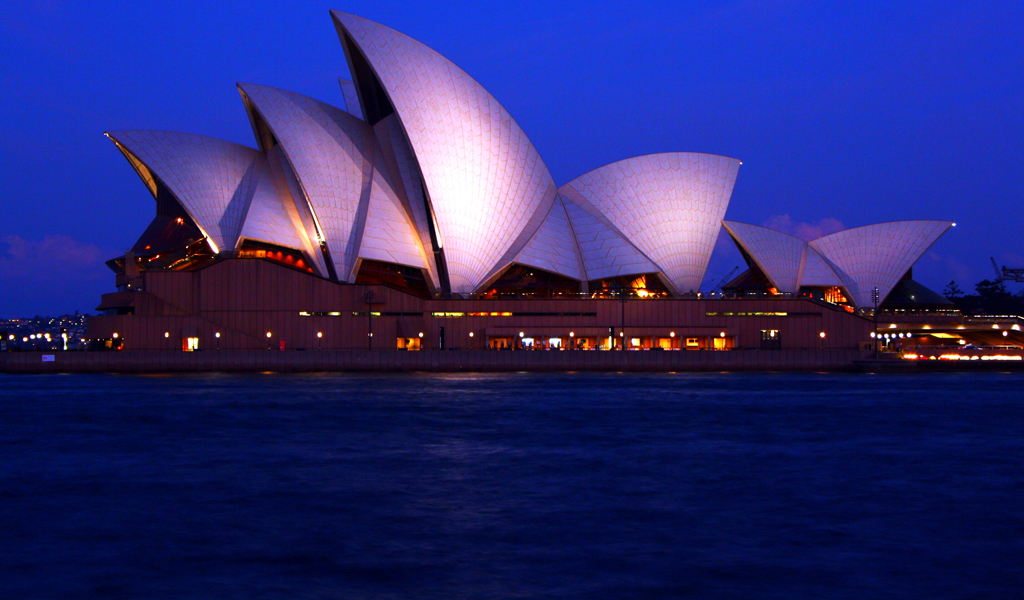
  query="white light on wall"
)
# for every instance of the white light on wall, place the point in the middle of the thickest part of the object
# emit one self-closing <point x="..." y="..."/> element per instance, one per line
<point x="319" y="334"/>
<point x="217" y="335"/>
<point x="721" y="334"/>
<point x="421" y="334"/>
<point x="672" y="334"/>
<point x="268" y="335"/>
<point x="167" y="334"/>
<point x="822" y="335"/>
<point x="470" y="334"/>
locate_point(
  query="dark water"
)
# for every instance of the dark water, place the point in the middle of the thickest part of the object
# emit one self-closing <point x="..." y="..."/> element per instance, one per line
<point x="542" y="486"/>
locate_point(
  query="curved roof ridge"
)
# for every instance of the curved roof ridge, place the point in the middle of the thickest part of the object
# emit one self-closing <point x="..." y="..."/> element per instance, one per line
<point x="871" y="225"/>
<point x="647" y="155"/>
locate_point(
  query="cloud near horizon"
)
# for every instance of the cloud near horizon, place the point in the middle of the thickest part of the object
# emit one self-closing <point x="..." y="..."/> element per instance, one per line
<point x="803" y="230"/>
<point x="55" y="275"/>
<point x="55" y="256"/>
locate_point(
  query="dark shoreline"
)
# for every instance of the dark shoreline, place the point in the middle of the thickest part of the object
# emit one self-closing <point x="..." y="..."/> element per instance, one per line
<point x="447" y="361"/>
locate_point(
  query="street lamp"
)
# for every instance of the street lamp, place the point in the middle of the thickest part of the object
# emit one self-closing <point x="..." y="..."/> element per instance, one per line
<point x="268" y="340"/>
<point x="874" y="300"/>
<point x="822" y="336"/>
<point x="319" y="336"/>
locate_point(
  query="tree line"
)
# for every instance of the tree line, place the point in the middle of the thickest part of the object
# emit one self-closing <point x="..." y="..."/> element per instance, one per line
<point x="990" y="298"/>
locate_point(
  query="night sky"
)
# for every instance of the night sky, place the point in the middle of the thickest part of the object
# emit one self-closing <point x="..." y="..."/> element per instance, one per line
<point x="843" y="114"/>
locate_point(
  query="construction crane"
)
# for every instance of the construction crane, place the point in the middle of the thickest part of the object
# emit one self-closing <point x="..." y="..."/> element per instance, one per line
<point x="1004" y="274"/>
<point x="724" y="280"/>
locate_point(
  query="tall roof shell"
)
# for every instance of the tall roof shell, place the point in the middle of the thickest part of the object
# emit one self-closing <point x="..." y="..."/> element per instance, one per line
<point x="777" y="254"/>
<point x="406" y="179"/>
<point x="605" y="252"/>
<point x="877" y="255"/>
<point x="670" y="206"/>
<point x="212" y="179"/>
<point x="484" y="179"/>
<point x="332" y="154"/>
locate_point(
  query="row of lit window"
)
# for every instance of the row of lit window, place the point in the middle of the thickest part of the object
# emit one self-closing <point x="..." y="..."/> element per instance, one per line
<point x="306" y="313"/>
<point x="746" y="314"/>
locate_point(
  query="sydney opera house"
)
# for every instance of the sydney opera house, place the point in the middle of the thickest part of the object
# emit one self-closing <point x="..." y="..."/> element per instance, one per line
<point x="420" y="216"/>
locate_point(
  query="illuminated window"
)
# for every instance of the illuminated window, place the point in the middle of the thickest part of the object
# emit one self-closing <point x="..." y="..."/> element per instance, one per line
<point x="692" y="342"/>
<point x="771" y="339"/>
<point x="412" y="343"/>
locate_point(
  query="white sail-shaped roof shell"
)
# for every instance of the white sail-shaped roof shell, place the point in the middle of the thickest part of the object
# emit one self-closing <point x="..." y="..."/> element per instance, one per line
<point x="332" y="154"/>
<point x="389" y="234"/>
<point x="777" y="254"/>
<point x="553" y="248"/>
<point x="398" y="156"/>
<point x="213" y="180"/>
<point x="605" y="252"/>
<point x="340" y="169"/>
<point x="484" y="179"/>
<point x="670" y="206"/>
<point x="273" y="217"/>
<point x="816" y="272"/>
<point x="877" y="255"/>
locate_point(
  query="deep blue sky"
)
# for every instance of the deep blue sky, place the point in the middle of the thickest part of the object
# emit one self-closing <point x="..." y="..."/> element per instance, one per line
<point x="843" y="114"/>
